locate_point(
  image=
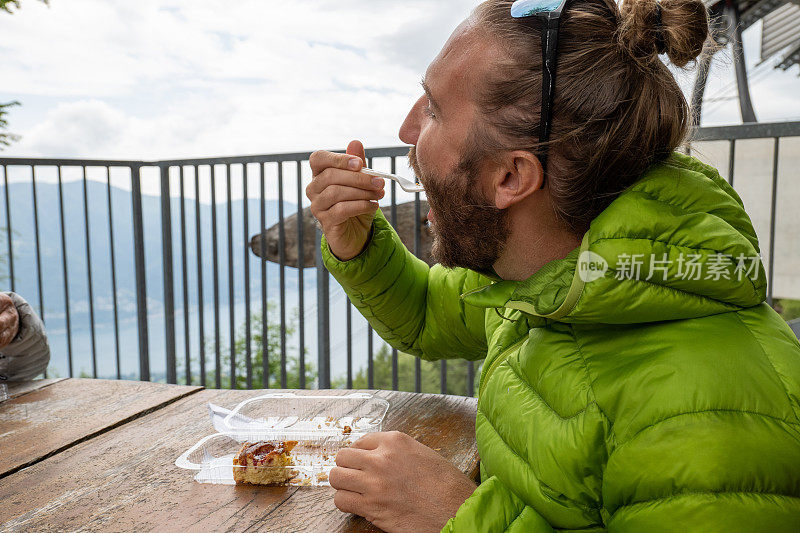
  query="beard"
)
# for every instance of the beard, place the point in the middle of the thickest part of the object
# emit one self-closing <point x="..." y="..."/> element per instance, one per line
<point x="468" y="230"/>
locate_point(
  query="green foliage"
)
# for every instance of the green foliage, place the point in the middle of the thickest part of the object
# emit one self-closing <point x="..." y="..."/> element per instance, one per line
<point x="257" y="357"/>
<point x="382" y="364"/>
<point x="788" y="309"/>
<point x="429" y="374"/>
<point x="6" y="138"/>
<point x="5" y="5"/>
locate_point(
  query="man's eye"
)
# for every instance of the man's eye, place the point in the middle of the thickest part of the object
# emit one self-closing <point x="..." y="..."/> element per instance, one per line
<point x="429" y="112"/>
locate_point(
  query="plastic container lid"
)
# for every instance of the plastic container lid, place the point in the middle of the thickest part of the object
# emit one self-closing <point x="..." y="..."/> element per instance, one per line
<point x="353" y="414"/>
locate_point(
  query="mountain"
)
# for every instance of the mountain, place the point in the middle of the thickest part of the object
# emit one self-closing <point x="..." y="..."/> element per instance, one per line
<point x="52" y="269"/>
<point x="24" y="246"/>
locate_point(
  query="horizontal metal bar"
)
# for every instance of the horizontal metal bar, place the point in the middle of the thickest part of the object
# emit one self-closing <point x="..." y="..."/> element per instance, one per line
<point x="26" y="161"/>
<point x="716" y="133"/>
<point x="397" y="151"/>
<point x="747" y="131"/>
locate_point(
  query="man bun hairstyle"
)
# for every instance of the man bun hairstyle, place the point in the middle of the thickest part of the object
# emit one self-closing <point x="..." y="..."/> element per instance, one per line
<point x="617" y="108"/>
<point x="677" y="28"/>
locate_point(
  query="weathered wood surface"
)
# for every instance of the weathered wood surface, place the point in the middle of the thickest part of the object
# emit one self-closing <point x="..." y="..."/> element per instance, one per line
<point x="18" y="388"/>
<point x="125" y="479"/>
<point x="43" y="421"/>
<point x="406" y="216"/>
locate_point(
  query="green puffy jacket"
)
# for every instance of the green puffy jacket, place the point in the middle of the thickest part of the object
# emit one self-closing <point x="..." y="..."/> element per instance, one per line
<point x="611" y="400"/>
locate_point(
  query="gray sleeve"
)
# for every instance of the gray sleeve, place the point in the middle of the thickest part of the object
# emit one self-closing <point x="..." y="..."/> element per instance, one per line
<point x="28" y="354"/>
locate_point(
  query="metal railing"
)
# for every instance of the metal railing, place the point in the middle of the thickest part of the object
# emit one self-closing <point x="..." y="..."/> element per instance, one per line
<point x="773" y="132"/>
<point x="190" y="241"/>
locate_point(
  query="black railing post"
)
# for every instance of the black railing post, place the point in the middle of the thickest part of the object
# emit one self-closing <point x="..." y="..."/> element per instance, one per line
<point x="231" y="293"/>
<point x="65" y="269"/>
<point x="141" y="282"/>
<point x="471" y="378"/>
<point x="772" y="215"/>
<point x="282" y="273"/>
<point x="246" y="233"/>
<point x="323" y="321"/>
<point x="9" y="232"/>
<point x="301" y="328"/>
<point x="184" y="281"/>
<point x="215" y="265"/>
<point x="395" y="355"/>
<point x="201" y="319"/>
<point x="89" y="285"/>
<point x="169" y="283"/>
<point x="111" y="248"/>
<point x="417" y="252"/>
<point x="35" y="204"/>
<point x="264" y="303"/>
<point x="731" y="161"/>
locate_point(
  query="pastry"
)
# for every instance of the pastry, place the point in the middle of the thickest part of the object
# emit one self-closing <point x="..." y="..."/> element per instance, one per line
<point x="264" y="463"/>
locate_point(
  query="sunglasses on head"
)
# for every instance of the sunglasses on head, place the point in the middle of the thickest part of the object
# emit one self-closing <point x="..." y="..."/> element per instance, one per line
<point x="549" y="13"/>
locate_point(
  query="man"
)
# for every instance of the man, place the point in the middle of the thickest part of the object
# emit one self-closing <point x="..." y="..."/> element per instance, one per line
<point x="24" y="351"/>
<point x="634" y="379"/>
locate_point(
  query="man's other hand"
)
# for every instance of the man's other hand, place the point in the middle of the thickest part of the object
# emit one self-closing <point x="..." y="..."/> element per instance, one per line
<point x="9" y="320"/>
<point x="398" y="484"/>
<point x="343" y="200"/>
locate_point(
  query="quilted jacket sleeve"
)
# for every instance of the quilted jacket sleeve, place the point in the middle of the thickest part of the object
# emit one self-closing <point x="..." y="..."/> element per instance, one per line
<point x="493" y="508"/>
<point x="416" y="309"/>
<point x="27" y="356"/>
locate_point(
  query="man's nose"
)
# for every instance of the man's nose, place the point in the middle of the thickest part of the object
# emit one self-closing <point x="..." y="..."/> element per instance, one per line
<point x="409" y="131"/>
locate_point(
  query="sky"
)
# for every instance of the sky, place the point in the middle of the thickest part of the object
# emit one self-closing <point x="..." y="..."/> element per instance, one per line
<point x="166" y="79"/>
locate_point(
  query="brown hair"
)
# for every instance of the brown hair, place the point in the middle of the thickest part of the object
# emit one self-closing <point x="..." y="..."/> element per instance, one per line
<point x="617" y="107"/>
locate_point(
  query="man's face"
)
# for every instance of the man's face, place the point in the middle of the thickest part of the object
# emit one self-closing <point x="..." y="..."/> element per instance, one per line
<point x="469" y="231"/>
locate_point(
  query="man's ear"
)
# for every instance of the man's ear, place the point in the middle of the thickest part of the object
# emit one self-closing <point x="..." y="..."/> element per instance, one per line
<point x="519" y="176"/>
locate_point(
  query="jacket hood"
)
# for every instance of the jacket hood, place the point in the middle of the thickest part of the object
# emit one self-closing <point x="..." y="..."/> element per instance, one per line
<point x="677" y="244"/>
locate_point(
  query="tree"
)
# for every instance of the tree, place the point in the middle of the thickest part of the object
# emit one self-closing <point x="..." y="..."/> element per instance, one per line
<point x="7" y="138"/>
<point x="788" y="309"/>
<point x="257" y="357"/>
<point x="382" y="365"/>
<point x="5" y="5"/>
<point x="429" y="374"/>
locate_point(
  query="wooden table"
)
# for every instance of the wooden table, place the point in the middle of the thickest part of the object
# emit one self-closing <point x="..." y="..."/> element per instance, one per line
<point x="99" y="455"/>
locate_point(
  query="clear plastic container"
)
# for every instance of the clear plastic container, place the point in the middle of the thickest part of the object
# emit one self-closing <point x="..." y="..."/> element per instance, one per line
<point x="356" y="413"/>
<point x="312" y="457"/>
<point x="321" y="426"/>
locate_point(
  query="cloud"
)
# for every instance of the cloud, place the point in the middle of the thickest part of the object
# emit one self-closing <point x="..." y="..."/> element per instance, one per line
<point x="188" y="78"/>
<point x="417" y="42"/>
<point x="78" y="128"/>
<point x="175" y="78"/>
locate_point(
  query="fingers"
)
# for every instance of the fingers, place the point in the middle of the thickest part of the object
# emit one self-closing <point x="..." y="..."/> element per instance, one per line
<point x="370" y="441"/>
<point x="9" y="326"/>
<point x="322" y="160"/>
<point x="333" y="176"/>
<point x="349" y="502"/>
<point x="357" y="149"/>
<point x="352" y="458"/>
<point x="344" y="211"/>
<point x="388" y="439"/>
<point x="347" y="479"/>
<point x="339" y="193"/>
<point x="5" y="302"/>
